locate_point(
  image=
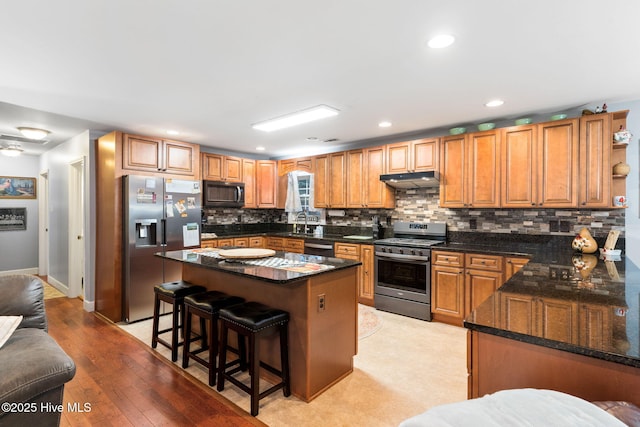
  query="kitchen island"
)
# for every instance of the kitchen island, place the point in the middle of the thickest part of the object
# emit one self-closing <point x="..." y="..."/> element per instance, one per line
<point x="565" y="321"/>
<point x="319" y="293"/>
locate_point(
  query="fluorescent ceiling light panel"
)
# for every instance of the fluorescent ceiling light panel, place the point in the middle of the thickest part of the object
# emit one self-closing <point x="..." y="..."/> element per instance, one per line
<point x="298" y="118"/>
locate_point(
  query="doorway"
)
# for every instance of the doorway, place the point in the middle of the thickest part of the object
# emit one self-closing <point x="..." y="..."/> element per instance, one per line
<point x="76" y="228"/>
<point x="43" y="221"/>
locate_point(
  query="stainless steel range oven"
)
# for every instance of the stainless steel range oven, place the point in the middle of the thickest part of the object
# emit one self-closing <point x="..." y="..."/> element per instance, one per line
<point x="403" y="268"/>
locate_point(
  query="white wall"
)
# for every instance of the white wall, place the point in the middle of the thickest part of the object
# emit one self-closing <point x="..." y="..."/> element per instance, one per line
<point x="57" y="162"/>
<point x="20" y="247"/>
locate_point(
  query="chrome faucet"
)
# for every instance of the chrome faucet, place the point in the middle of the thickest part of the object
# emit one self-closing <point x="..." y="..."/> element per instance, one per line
<point x="304" y="214"/>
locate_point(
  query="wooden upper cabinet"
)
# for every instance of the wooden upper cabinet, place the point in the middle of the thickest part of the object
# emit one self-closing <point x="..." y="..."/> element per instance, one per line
<point x="249" y="179"/>
<point x="321" y="183"/>
<point x="338" y="180"/>
<point x="413" y="156"/>
<point x="217" y="167"/>
<point x="519" y="170"/>
<point x="160" y="156"/>
<point x="453" y="172"/>
<point x="483" y="178"/>
<point x="266" y="180"/>
<point x="377" y="193"/>
<point x="595" y="161"/>
<point x="558" y="164"/>
<point x="355" y="161"/>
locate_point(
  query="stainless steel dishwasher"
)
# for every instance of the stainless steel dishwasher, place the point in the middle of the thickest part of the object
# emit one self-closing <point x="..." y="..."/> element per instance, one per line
<point x="318" y="247"/>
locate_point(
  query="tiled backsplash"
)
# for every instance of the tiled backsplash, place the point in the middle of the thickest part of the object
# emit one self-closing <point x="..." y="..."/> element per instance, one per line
<point x="422" y="205"/>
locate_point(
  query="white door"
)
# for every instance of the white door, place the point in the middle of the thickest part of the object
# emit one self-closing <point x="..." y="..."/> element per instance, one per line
<point x="76" y="229"/>
<point x="43" y="220"/>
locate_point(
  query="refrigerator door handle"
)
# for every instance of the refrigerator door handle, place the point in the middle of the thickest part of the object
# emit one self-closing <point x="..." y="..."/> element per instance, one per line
<point x="163" y="223"/>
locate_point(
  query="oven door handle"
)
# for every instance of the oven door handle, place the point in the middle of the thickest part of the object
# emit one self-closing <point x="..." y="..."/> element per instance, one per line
<point x="402" y="257"/>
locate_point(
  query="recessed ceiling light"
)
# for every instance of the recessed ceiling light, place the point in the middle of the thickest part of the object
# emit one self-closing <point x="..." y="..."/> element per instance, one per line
<point x="441" y="41"/>
<point x="384" y="124"/>
<point x="312" y="138"/>
<point x="494" y="103"/>
<point x="304" y="116"/>
<point x="172" y="132"/>
<point x="33" y="133"/>
<point x="260" y="148"/>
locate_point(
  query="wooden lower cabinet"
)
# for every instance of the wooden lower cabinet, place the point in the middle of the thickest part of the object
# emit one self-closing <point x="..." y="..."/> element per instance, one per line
<point x="364" y="254"/>
<point x="256" y="242"/>
<point x="209" y="243"/>
<point x="461" y="282"/>
<point x="447" y="294"/>
<point x="542" y="367"/>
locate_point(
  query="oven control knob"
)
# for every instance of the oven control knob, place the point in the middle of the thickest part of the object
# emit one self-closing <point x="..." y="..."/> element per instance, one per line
<point x="413" y="252"/>
<point x="400" y="251"/>
<point x="383" y="249"/>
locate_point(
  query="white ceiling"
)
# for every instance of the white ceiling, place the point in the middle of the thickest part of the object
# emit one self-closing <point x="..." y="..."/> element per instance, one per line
<point x="212" y="68"/>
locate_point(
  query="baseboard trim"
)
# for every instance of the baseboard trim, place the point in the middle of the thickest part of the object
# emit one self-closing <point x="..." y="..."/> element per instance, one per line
<point x="58" y="285"/>
<point x="89" y="306"/>
<point x="33" y="270"/>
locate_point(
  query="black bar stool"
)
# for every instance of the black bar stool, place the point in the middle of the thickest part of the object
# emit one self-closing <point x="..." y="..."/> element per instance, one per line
<point x="172" y="293"/>
<point x="253" y="320"/>
<point x="206" y="306"/>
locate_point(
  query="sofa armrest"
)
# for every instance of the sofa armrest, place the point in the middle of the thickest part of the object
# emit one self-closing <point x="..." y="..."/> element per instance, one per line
<point x="23" y="295"/>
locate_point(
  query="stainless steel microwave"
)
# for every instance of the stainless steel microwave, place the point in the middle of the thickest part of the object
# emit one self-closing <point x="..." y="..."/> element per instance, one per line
<point x="222" y="194"/>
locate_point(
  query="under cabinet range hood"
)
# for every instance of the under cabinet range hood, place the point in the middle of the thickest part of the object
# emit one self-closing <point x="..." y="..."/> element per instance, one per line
<point x="412" y="179"/>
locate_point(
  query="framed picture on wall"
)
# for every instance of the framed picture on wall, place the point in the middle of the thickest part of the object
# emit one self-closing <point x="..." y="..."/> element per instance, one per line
<point x="13" y="219"/>
<point x="15" y="187"/>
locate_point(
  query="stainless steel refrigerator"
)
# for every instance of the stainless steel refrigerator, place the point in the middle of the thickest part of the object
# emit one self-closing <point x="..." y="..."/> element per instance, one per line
<point x="161" y="214"/>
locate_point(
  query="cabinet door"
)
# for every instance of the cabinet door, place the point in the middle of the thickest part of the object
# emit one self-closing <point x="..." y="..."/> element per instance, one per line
<point x="142" y="153"/>
<point x="249" y="179"/>
<point x="212" y="167"/>
<point x="355" y="178"/>
<point x="398" y="160"/>
<point x="453" y="167"/>
<point x="480" y="285"/>
<point x="447" y="294"/>
<point x="483" y="179"/>
<point x="266" y="183"/>
<point x="242" y="242"/>
<point x="558" y="164"/>
<point x="337" y="179"/>
<point x="425" y="155"/>
<point x="294" y="245"/>
<point x="180" y="158"/>
<point x="233" y="169"/>
<point x="513" y="265"/>
<point x="366" y="292"/>
<point x="519" y="170"/>
<point x="595" y="161"/>
<point x="377" y="193"/>
<point x="321" y="182"/>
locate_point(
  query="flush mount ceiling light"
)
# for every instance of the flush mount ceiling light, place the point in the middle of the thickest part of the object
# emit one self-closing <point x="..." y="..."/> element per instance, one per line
<point x="33" y="133"/>
<point x="441" y="41"/>
<point x="260" y="148"/>
<point x="384" y="124"/>
<point x="304" y="116"/>
<point x="172" y="132"/>
<point x="13" y="150"/>
<point x="494" y="103"/>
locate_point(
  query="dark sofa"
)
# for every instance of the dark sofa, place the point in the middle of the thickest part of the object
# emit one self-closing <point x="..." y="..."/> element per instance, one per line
<point x="33" y="368"/>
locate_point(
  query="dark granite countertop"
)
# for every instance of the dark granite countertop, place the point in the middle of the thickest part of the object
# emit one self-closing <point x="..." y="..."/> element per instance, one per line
<point x="282" y="268"/>
<point x="560" y="299"/>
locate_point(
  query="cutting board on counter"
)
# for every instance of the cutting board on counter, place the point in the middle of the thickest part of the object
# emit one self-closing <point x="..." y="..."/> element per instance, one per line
<point x="246" y="253"/>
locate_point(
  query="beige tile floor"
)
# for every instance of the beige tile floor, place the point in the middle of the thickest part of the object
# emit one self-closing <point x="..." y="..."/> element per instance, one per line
<point x="404" y="368"/>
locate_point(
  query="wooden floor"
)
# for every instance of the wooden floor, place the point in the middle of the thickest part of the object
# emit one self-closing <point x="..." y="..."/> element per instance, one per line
<point x="124" y="383"/>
